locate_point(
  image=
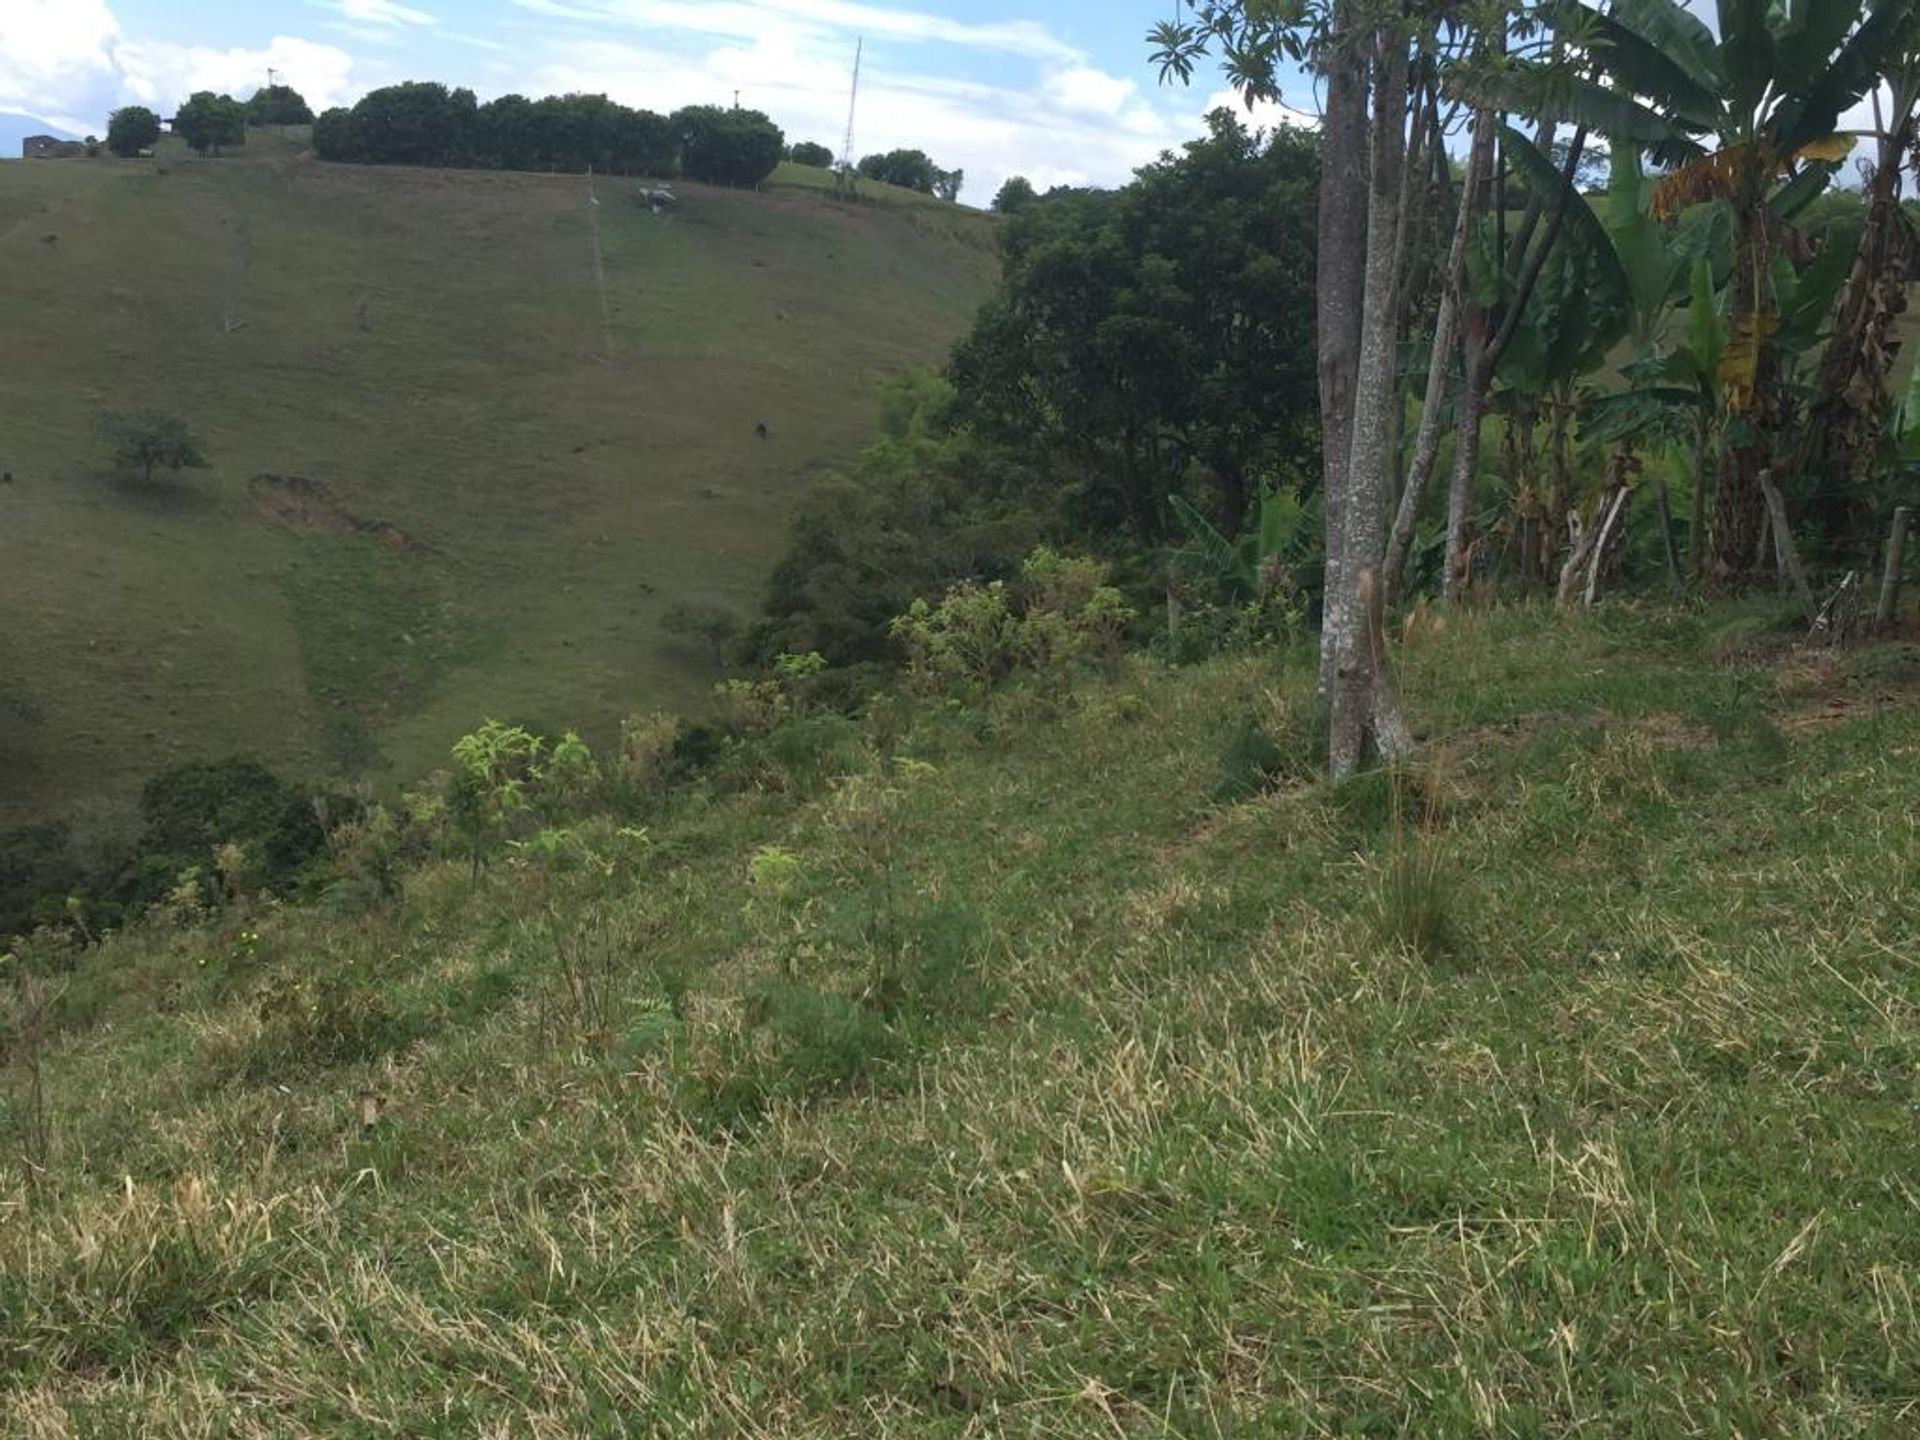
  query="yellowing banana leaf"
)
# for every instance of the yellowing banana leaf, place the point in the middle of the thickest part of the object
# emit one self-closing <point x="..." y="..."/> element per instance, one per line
<point x="1832" y="149"/>
<point x="1740" y="361"/>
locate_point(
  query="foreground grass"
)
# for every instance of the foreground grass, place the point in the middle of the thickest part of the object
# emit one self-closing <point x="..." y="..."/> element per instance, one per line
<point x="1022" y="1086"/>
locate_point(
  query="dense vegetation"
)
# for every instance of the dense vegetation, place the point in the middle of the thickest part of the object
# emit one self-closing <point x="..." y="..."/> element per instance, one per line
<point x="421" y="123"/>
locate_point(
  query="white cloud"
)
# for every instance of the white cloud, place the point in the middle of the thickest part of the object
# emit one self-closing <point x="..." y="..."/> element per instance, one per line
<point x="52" y="53"/>
<point x="159" y="74"/>
<point x="1262" y="114"/>
<point x="812" y="19"/>
<point x="378" y="12"/>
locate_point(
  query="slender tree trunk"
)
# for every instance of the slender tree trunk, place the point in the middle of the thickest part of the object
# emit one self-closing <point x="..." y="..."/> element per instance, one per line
<point x="1340" y="279"/>
<point x="1560" y="463"/>
<point x="1466" y="453"/>
<point x="1366" y="708"/>
<point x="1697" y="537"/>
<point x="1480" y="366"/>
<point x="1739" y="503"/>
<point x="1426" y="445"/>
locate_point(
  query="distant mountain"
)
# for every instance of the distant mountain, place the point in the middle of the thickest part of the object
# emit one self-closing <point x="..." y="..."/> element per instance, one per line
<point x="15" y="128"/>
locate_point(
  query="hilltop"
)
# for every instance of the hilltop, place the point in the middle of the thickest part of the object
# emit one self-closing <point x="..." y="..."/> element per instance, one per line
<point x="472" y="435"/>
<point x="1051" y="1061"/>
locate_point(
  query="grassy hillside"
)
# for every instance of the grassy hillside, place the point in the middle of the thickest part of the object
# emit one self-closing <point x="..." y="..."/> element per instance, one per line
<point x="504" y="429"/>
<point x="992" y="1070"/>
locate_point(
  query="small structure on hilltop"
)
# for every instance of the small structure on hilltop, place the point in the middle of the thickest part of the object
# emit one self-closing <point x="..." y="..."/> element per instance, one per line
<point x="657" y="197"/>
<point x="48" y="147"/>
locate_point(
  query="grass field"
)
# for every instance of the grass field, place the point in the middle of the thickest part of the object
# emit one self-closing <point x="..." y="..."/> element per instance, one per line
<point x="557" y="426"/>
<point x="995" y="1072"/>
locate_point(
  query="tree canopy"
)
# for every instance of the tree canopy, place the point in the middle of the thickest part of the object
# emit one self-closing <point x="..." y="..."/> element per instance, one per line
<point x="1160" y="337"/>
<point x="727" y="147"/>
<point x="210" y="122"/>
<point x="132" y="129"/>
<point x="807" y="152"/>
<point x="278" y="105"/>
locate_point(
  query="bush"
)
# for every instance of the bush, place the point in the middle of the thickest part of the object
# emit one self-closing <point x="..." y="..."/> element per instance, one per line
<point x="209" y="122"/>
<point x="712" y="624"/>
<point x="975" y="637"/>
<point x="334" y="136"/>
<point x="131" y="130"/>
<point x="321" y="1022"/>
<point x="808" y="153"/>
<point x="38" y="872"/>
<point x="727" y="147"/>
<point x="190" y="810"/>
<point x="147" y="440"/>
<point x="278" y="105"/>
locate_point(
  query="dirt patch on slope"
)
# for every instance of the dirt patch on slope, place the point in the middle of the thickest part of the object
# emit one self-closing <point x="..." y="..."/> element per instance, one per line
<point x="303" y="504"/>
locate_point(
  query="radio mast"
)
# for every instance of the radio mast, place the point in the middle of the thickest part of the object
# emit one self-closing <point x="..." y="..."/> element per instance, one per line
<point x="853" y="103"/>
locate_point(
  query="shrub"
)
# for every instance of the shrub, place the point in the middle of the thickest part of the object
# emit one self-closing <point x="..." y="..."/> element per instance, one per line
<point x="712" y="624"/>
<point x="727" y="147"/>
<point x="149" y="440"/>
<point x="132" y="129"/>
<point x="319" y="1022"/>
<point x="975" y="637"/>
<point x="808" y="153"/>
<point x="209" y="122"/>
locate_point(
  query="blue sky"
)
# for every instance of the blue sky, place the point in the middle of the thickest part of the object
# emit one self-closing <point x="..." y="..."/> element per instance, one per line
<point x="1059" y="90"/>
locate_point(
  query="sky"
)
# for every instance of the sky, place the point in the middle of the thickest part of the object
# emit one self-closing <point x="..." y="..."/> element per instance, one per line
<point x="1060" y="91"/>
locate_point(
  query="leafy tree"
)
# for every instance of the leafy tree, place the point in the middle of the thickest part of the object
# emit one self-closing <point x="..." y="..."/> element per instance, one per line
<point x="1016" y="195"/>
<point x="727" y="147"/>
<point x="947" y="184"/>
<point x="131" y="130"/>
<point x="278" y="105"/>
<point x="334" y="137"/>
<point x="929" y="504"/>
<point x="1160" y="337"/>
<point x="416" y="123"/>
<point x="146" y="440"/>
<point x="210" y="122"/>
<point x="815" y="155"/>
<point x="713" y="624"/>
<point x="909" y="169"/>
<point x="191" y="808"/>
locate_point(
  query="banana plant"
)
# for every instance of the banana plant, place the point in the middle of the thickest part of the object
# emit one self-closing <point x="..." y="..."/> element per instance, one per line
<point x="1746" y="119"/>
<point x="1246" y="569"/>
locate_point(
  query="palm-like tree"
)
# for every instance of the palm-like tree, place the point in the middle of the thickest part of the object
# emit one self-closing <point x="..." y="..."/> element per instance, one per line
<point x="1746" y="119"/>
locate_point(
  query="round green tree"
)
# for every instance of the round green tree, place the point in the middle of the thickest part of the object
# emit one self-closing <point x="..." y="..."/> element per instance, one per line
<point x="131" y="130"/>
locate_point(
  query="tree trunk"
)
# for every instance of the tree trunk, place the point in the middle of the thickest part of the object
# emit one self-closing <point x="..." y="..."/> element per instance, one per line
<point x="1697" y="536"/>
<point x="1850" y="403"/>
<point x="1739" y="503"/>
<point x="1340" y="278"/>
<point x="1426" y="445"/>
<point x="1466" y="452"/>
<point x="1365" y="706"/>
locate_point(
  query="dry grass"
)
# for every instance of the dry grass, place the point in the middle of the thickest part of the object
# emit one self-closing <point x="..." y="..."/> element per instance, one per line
<point x="1171" y="1140"/>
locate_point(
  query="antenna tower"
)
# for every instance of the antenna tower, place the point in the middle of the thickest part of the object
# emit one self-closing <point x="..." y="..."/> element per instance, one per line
<point x="853" y="101"/>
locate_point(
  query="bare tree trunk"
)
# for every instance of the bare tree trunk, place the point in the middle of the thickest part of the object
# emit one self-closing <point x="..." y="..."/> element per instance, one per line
<point x="1426" y="445"/>
<point x="1666" y="533"/>
<point x="1890" y="576"/>
<point x="1466" y="452"/>
<point x="1784" y="550"/>
<point x="1480" y="368"/>
<point x="1366" y="708"/>
<point x="1340" y="279"/>
<point x="1739" y="501"/>
<point x="1845" y="420"/>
